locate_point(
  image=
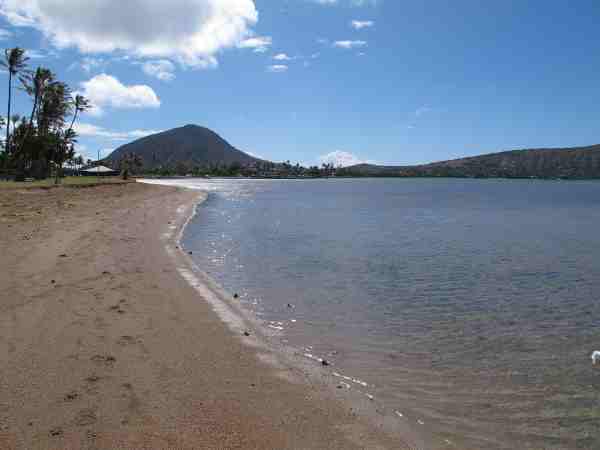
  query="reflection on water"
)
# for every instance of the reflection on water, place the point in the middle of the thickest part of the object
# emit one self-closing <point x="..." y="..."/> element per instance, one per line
<point x="471" y="305"/>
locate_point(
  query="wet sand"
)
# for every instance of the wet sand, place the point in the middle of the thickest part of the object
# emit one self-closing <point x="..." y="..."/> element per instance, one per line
<point x="104" y="344"/>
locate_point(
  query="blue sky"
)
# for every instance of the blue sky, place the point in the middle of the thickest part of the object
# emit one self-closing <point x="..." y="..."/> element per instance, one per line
<point x="387" y="81"/>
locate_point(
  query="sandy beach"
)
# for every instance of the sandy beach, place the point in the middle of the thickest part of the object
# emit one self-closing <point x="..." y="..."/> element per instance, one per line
<point x="104" y="344"/>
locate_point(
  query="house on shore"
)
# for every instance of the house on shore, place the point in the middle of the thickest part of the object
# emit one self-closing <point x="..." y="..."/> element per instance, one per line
<point x="100" y="171"/>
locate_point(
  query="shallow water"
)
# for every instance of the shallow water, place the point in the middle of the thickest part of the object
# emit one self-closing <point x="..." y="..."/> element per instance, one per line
<point x="470" y="305"/>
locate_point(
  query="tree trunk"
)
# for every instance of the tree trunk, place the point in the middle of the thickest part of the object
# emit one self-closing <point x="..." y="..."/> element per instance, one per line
<point x="73" y="121"/>
<point x="8" y="116"/>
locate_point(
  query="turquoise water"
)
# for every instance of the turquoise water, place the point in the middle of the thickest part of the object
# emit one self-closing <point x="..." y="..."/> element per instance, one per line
<point x="471" y="306"/>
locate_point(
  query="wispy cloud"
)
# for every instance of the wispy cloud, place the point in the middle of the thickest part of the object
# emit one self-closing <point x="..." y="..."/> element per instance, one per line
<point x="423" y="110"/>
<point x="39" y="54"/>
<point x="277" y="68"/>
<point x="90" y="130"/>
<point x="162" y="69"/>
<point x="259" y="44"/>
<point x="350" y="44"/>
<point x="89" y="64"/>
<point x="360" y="24"/>
<point x="282" y="57"/>
<point x="5" y="34"/>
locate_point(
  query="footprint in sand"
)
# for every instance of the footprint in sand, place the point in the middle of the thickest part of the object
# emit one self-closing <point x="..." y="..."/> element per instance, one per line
<point x="126" y="340"/>
<point x="71" y="396"/>
<point x="92" y="384"/>
<point x="58" y="431"/>
<point x="91" y="435"/>
<point x="117" y="308"/>
<point x="106" y="360"/>
<point x="86" y="417"/>
<point x="92" y="379"/>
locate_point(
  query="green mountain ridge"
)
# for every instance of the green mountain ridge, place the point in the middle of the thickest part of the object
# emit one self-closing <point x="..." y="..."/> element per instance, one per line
<point x="188" y="146"/>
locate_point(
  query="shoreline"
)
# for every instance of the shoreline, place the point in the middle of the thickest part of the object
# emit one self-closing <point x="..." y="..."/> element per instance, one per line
<point x="108" y="346"/>
<point x="333" y="382"/>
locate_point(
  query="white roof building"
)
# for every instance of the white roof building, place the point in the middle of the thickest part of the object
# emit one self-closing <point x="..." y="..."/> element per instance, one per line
<point x="99" y="169"/>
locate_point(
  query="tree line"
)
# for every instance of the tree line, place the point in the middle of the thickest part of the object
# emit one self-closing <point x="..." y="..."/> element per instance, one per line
<point x="39" y="143"/>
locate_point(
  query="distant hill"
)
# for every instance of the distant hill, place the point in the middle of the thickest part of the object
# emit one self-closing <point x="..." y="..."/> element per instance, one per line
<point x="190" y="146"/>
<point x="576" y="162"/>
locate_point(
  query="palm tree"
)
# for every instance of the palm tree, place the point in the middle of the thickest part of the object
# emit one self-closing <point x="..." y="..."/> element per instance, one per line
<point x="80" y="105"/>
<point x="14" y="62"/>
<point x="35" y="85"/>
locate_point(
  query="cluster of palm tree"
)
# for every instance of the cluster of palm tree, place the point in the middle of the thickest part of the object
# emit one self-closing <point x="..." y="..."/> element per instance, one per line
<point x="39" y="145"/>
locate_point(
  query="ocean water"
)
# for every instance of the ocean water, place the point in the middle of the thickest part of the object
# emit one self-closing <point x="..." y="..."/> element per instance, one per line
<point x="471" y="307"/>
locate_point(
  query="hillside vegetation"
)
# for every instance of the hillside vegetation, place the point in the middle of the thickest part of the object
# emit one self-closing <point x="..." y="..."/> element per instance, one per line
<point x="577" y="162"/>
<point x="186" y="147"/>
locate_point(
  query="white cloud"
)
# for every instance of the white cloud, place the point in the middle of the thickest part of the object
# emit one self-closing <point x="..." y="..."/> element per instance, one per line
<point x="90" y="130"/>
<point x="349" y="44"/>
<point x="282" y="57"/>
<point x="260" y="44"/>
<point x="106" y="91"/>
<point x="340" y="158"/>
<point x="189" y="31"/>
<point x="162" y="69"/>
<point x="277" y="68"/>
<point x="360" y="24"/>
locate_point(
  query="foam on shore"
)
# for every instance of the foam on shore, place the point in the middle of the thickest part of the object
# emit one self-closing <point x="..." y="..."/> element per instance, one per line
<point x="239" y="320"/>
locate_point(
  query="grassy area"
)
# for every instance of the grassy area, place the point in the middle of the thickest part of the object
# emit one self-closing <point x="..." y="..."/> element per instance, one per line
<point x="67" y="181"/>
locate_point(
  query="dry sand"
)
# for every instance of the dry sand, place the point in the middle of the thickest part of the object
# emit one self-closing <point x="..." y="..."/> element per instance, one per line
<point x="104" y="345"/>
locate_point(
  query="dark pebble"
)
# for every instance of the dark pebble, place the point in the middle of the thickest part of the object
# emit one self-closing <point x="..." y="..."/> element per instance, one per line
<point x="246" y="333"/>
<point x="52" y="281"/>
<point x="235" y="296"/>
<point x="325" y="362"/>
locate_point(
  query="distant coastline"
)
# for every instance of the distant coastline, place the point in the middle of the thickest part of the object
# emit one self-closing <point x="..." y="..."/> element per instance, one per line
<point x="197" y="151"/>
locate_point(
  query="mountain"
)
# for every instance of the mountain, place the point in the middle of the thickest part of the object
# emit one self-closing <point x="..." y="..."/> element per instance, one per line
<point x="576" y="162"/>
<point x="190" y="146"/>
